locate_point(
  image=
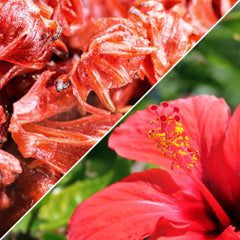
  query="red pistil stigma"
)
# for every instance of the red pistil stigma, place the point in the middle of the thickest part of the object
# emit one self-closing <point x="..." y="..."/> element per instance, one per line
<point x="176" y="109"/>
<point x="168" y="136"/>
<point x="163" y="118"/>
<point x="154" y="107"/>
<point x="164" y="104"/>
<point x="177" y="118"/>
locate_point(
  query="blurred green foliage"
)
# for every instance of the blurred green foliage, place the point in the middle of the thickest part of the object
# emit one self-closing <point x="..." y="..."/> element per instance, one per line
<point x="213" y="67"/>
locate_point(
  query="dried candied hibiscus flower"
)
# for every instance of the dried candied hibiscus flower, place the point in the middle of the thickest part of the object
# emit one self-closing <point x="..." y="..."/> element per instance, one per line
<point x="60" y="143"/>
<point x="27" y="38"/>
<point x="9" y="165"/>
<point x="10" y="168"/>
<point x="34" y="181"/>
<point x="112" y="58"/>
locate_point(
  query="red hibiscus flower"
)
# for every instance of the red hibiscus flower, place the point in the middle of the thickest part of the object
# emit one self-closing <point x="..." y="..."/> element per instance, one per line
<point x="197" y="194"/>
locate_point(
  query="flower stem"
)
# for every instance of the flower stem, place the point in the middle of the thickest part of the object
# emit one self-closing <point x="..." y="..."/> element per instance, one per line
<point x="216" y="207"/>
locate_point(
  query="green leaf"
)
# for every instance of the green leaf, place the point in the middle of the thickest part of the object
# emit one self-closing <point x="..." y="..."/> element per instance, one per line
<point x="52" y="236"/>
<point x="58" y="209"/>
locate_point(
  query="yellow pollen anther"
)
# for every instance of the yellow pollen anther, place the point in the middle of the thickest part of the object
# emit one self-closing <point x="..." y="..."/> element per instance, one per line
<point x="181" y="152"/>
<point x="167" y="135"/>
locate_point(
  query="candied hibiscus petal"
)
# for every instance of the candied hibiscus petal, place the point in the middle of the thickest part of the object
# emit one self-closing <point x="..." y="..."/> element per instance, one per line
<point x="168" y="31"/>
<point x="40" y="102"/>
<point x="119" y="8"/>
<point x="10" y="70"/>
<point x="131" y="208"/>
<point x="4" y="123"/>
<point x="88" y="31"/>
<point x="73" y="15"/>
<point x="60" y="144"/>
<point x="112" y="58"/>
<point x="28" y="37"/>
<point x="9" y="169"/>
<point x="202" y="15"/>
<point x="36" y="179"/>
<point x="69" y="14"/>
<point x="9" y="163"/>
<point x="223" y="5"/>
<point x="2" y="115"/>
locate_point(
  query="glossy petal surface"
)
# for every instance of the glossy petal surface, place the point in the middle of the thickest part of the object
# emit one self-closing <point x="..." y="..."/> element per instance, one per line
<point x="131" y="209"/>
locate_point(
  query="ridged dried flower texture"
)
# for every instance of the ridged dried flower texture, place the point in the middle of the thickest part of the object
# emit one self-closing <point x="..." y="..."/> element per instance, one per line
<point x="184" y="200"/>
<point x="69" y="69"/>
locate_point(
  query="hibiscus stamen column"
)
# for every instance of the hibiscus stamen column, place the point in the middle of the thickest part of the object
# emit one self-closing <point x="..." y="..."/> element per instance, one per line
<point x="167" y="134"/>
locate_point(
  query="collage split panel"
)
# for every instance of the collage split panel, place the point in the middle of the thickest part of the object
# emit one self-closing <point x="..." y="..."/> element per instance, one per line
<point x="170" y="167"/>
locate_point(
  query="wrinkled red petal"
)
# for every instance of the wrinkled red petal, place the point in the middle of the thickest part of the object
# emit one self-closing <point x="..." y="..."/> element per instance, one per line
<point x="112" y="58"/>
<point x="35" y="180"/>
<point x="73" y="15"/>
<point x="2" y="115"/>
<point x="4" y="122"/>
<point x="170" y="33"/>
<point x="119" y="8"/>
<point x="9" y="71"/>
<point x="9" y="170"/>
<point x="131" y="208"/>
<point x="61" y="143"/>
<point x="69" y="14"/>
<point x="222" y="6"/>
<point x="9" y="163"/>
<point x="40" y="102"/>
<point x="27" y="38"/>
<point x="202" y="15"/>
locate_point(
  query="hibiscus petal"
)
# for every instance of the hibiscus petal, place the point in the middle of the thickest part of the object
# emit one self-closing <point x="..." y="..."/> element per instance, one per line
<point x="169" y="231"/>
<point x="230" y="168"/>
<point x="205" y="120"/>
<point x="131" y="208"/>
<point x="204" y="124"/>
<point x="232" y="142"/>
<point x="130" y="140"/>
<point x="229" y="233"/>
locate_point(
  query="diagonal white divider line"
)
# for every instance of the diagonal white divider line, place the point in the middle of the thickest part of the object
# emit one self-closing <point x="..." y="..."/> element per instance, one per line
<point x="82" y="158"/>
